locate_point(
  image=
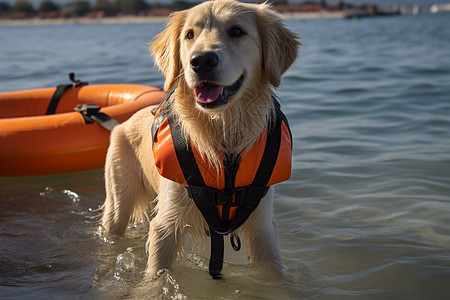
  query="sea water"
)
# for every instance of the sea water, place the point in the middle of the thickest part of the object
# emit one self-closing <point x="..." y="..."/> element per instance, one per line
<point x="366" y="214"/>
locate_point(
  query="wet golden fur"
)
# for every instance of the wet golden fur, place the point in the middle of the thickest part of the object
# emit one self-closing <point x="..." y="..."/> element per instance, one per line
<point x="133" y="185"/>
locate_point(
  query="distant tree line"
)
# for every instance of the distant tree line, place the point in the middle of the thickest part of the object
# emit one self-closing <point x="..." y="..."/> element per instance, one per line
<point x="81" y="8"/>
<point x="78" y="8"/>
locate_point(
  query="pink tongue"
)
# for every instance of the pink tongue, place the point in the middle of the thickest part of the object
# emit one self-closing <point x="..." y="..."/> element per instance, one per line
<point x="208" y="93"/>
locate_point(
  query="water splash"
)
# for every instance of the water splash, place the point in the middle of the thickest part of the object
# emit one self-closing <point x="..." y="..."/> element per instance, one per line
<point x="125" y="264"/>
<point x="170" y="288"/>
<point x="50" y="192"/>
<point x="72" y="195"/>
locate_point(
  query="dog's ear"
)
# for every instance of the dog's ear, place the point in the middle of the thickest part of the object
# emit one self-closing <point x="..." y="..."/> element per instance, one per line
<point x="166" y="50"/>
<point x="279" y="44"/>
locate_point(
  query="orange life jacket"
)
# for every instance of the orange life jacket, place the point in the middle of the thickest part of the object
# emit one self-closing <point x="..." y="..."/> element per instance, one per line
<point x="225" y="197"/>
<point x="238" y="185"/>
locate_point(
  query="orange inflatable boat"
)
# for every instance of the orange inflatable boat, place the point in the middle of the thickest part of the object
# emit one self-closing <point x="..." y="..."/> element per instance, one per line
<point x="63" y="140"/>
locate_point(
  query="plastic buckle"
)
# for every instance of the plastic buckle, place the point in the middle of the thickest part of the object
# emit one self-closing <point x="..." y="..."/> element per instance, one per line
<point x="87" y="110"/>
<point x="222" y="197"/>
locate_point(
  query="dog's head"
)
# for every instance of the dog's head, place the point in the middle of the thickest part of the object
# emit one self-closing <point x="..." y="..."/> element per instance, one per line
<point x="220" y="50"/>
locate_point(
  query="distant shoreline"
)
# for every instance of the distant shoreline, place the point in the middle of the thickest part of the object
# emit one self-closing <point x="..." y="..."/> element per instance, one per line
<point x="151" y="19"/>
<point x="83" y="20"/>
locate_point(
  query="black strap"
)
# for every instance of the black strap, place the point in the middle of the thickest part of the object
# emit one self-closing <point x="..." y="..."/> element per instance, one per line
<point x="196" y="190"/>
<point x="105" y="121"/>
<point x="216" y="258"/>
<point x="60" y="89"/>
<point x="250" y="197"/>
<point x="165" y="106"/>
<point x="270" y="155"/>
<point x="185" y="157"/>
<point x="91" y="113"/>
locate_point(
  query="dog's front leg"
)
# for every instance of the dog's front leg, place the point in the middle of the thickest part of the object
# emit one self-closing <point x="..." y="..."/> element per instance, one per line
<point x="164" y="237"/>
<point x="125" y="191"/>
<point x="161" y="246"/>
<point x="261" y="233"/>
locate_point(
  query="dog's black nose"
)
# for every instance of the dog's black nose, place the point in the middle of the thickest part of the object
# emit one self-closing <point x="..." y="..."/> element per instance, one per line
<point x="204" y="63"/>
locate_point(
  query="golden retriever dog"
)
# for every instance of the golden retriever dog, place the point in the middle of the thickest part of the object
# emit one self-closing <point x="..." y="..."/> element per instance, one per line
<point x="221" y="61"/>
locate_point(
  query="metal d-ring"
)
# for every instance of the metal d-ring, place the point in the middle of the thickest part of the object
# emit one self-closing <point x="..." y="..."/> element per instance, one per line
<point x="233" y="244"/>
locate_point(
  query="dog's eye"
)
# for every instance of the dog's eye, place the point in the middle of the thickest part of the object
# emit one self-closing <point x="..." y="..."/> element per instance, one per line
<point x="236" y="32"/>
<point x="190" y="35"/>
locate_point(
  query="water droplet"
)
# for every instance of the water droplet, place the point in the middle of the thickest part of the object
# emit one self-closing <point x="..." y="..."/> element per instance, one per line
<point x="72" y="195"/>
<point x="46" y="191"/>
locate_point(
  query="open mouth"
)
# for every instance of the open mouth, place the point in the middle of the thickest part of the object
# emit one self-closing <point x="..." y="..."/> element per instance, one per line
<point x="210" y="95"/>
